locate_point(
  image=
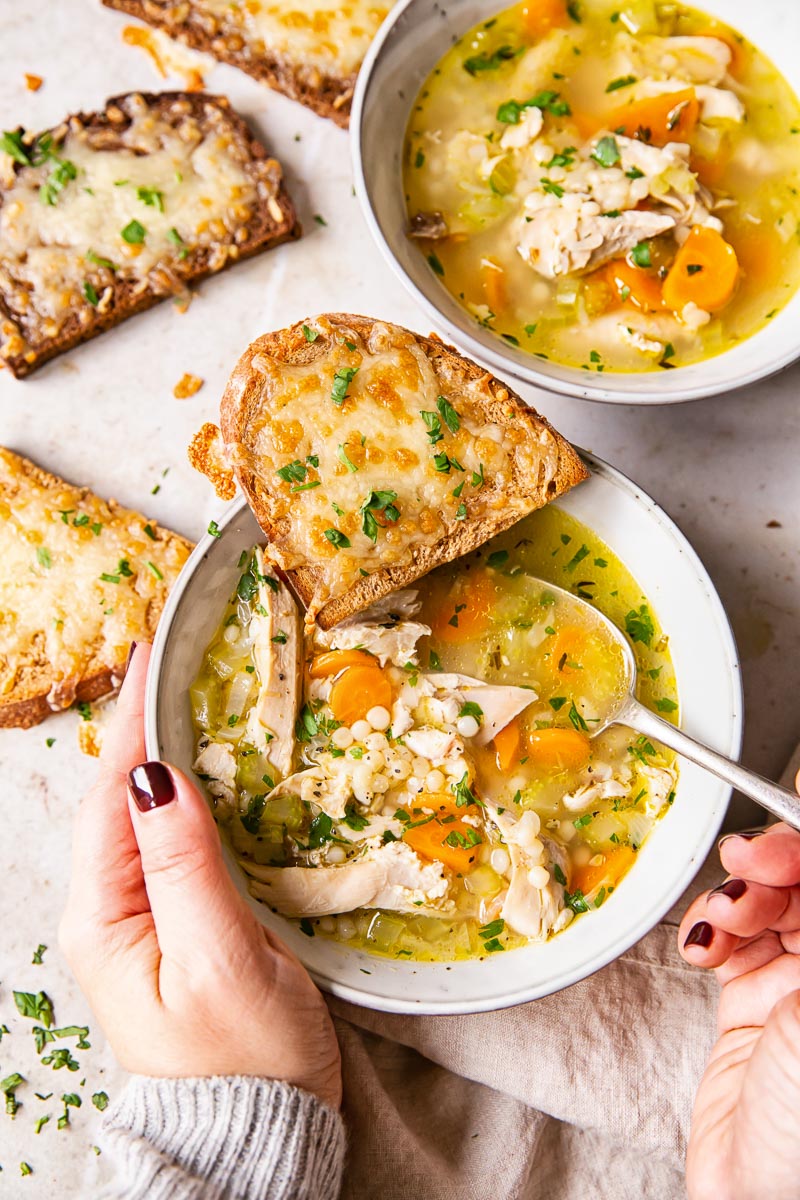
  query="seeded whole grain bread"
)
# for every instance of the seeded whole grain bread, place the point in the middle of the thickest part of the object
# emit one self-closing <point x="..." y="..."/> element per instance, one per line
<point x="80" y="579"/>
<point x="226" y="457"/>
<point x="222" y="34"/>
<point x="96" y="290"/>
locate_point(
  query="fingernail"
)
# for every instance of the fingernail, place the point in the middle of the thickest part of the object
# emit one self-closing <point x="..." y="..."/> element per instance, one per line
<point x="701" y="934"/>
<point x="747" y="834"/>
<point x="131" y="653"/>
<point x="151" y="786"/>
<point x="734" y="889"/>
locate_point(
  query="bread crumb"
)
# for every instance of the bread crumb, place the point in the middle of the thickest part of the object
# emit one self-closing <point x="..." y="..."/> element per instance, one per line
<point x="92" y="732"/>
<point x="187" y="385"/>
<point x="33" y="82"/>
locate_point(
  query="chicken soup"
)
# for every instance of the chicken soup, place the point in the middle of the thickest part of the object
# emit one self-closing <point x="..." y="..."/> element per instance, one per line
<point x="610" y="186"/>
<point x="424" y="780"/>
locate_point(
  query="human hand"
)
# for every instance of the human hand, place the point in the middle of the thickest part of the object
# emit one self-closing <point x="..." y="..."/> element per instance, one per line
<point x="180" y="974"/>
<point x="745" y="1137"/>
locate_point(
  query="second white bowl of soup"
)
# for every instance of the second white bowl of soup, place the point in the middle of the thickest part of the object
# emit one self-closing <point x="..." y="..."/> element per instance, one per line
<point x="505" y="864"/>
<point x="603" y="198"/>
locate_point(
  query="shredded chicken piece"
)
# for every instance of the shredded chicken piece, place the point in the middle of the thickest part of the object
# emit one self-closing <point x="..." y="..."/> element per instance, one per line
<point x="278" y="663"/>
<point x="640" y="341"/>
<point x="695" y="59"/>
<point x="716" y="104"/>
<point x="392" y="876"/>
<point x="217" y="761"/>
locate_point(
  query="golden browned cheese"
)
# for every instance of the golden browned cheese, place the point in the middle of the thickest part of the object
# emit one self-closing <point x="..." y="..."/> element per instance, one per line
<point x="80" y="579"/>
<point x="367" y="452"/>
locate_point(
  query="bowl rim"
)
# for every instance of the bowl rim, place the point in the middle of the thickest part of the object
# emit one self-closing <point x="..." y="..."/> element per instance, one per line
<point x="498" y="359"/>
<point x="400" y="1003"/>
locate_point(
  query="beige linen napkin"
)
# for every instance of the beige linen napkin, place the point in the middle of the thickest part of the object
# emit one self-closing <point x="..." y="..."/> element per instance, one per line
<point x="585" y="1095"/>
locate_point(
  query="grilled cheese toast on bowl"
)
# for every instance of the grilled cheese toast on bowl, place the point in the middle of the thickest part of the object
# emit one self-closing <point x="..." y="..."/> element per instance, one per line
<point x="407" y="783"/>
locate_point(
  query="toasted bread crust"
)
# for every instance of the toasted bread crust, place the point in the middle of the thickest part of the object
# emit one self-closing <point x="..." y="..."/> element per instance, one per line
<point x="126" y="299"/>
<point x="243" y="397"/>
<point x="328" y="96"/>
<point x="34" y="695"/>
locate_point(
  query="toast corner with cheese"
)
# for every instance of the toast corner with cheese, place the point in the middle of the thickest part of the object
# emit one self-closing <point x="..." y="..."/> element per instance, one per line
<point x="313" y="58"/>
<point x="94" y="229"/>
<point x="80" y="579"/>
<point x="370" y="455"/>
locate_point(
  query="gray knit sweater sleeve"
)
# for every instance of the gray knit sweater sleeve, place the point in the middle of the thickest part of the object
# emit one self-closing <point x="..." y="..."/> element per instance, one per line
<point x="222" y="1139"/>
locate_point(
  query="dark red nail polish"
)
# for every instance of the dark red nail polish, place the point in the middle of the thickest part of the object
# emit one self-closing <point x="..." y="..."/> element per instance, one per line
<point x="701" y="934"/>
<point x="734" y="889"/>
<point x="131" y="653"/>
<point x="151" y="786"/>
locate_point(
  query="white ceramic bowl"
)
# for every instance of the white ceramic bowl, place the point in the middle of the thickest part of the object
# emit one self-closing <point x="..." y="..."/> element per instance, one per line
<point x="410" y="43"/>
<point x="707" y="672"/>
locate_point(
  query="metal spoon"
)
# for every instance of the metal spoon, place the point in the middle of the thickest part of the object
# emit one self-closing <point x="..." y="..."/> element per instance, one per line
<point x="775" y="799"/>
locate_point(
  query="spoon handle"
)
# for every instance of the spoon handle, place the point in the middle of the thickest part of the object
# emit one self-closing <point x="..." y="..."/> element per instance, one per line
<point x="781" y="803"/>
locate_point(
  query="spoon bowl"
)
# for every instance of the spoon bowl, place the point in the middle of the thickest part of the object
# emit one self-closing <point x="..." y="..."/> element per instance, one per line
<point x="626" y="709"/>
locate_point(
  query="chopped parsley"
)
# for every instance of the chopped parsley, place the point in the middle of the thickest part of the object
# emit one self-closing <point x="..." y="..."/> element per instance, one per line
<point x="320" y="831"/>
<point x="43" y="557"/>
<point x="470" y="709"/>
<point x="310" y="334"/>
<point x="214" y="529"/>
<point x="510" y="113"/>
<point x="498" y="558"/>
<point x="293" y="472"/>
<point x="623" y="82"/>
<point x="435" y="264"/>
<point x="606" y="152"/>
<point x="448" y="414"/>
<point x="341" y="382"/>
<point x="639" y="625"/>
<point x="640" y="255"/>
<point x="577" y="558"/>
<point x="666" y="706"/>
<point x="576" y="719"/>
<point x="378" y="502"/>
<point x="462" y="792"/>
<point x="490" y="62"/>
<point x="444" y="463"/>
<point x="337" y="538"/>
<point x="353" y="818"/>
<point x="343" y="457"/>
<point x="134" y="233"/>
<point x="90" y="293"/>
<point x="433" y="424"/>
<point x="152" y="197"/>
<point x="551" y="188"/>
<point x="38" y="1006"/>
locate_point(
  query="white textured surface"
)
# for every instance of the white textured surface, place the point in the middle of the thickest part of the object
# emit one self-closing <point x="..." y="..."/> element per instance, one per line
<point x="105" y="415"/>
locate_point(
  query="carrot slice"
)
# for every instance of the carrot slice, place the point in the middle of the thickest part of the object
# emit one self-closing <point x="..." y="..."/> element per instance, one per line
<point x="506" y="744"/>
<point x="334" y="661"/>
<point x="540" y="16"/>
<point x="704" y="272"/>
<point x="558" y="749"/>
<point x="760" y="251"/>
<point x="357" y="690"/>
<point x="440" y="839"/>
<point x="463" y="613"/>
<point x="657" y="120"/>
<point x="493" y="279"/>
<point x="635" y="286"/>
<point x="615" y="864"/>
